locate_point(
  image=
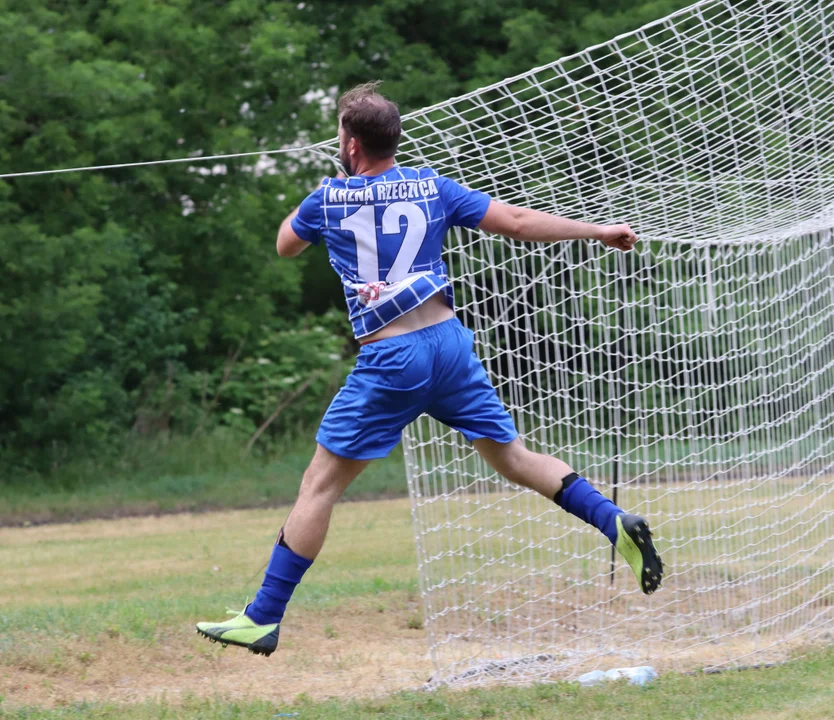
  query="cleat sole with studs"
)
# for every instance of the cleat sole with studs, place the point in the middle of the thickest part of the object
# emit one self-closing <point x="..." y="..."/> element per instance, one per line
<point x="265" y="646"/>
<point x="638" y="532"/>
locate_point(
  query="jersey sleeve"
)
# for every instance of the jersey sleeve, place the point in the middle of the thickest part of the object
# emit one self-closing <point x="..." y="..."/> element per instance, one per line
<point x="464" y="207"/>
<point x="307" y="223"/>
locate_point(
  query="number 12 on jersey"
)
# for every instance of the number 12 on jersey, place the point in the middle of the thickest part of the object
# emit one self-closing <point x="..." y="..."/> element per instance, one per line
<point x="369" y="248"/>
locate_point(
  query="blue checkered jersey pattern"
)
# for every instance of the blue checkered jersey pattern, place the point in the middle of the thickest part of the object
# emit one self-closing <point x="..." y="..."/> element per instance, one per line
<point x="384" y="234"/>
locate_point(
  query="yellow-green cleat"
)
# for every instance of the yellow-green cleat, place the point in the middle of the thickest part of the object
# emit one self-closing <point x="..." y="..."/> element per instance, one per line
<point x="634" y="543"/>
<point x="242" y="631"/>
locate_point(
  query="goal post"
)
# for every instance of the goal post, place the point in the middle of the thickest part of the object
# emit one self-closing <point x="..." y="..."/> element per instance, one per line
<point x="694" y="376"/>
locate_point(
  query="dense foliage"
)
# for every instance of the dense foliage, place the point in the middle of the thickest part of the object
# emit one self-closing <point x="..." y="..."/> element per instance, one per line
<point x="151" y="299"/>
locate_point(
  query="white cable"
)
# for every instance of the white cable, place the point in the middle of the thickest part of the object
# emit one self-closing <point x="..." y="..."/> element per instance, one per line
<point x="306" y="148"/>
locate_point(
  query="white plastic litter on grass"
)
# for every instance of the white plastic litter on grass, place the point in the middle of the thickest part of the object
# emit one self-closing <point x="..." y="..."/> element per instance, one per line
<point x="636" y="676"/>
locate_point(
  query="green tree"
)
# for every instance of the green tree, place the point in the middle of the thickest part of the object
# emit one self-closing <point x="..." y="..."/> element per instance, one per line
<point x="109" y="277"/>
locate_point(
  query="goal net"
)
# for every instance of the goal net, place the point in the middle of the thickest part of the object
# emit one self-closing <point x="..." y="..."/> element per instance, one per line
<point x="691" y="379"/>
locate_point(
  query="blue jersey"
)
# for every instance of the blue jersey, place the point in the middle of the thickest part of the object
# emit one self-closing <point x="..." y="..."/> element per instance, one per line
<point x="384" y="234"/>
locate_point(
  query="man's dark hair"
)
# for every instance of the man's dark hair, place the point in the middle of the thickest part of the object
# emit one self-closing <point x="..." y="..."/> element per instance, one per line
<point x="372" y="119"/>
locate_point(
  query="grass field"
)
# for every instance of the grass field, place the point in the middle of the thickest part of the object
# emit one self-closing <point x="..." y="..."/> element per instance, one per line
<point x="96" y="620"/>
<point x="178" y="474"/>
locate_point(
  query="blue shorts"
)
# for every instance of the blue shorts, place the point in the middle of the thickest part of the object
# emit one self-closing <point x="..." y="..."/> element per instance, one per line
<point x="434" y="371"/>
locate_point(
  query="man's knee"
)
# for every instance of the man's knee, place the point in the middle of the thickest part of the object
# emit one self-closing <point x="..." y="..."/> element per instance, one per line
<point x="329" y="475"/>
<point x="519" y="464"/>
<point x="316" y="481"/>
<point x="509" y="459"/>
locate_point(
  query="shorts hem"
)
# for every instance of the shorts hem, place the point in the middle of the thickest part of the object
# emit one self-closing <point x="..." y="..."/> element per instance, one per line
<point x="471" y="437"/>
<point x="347" y="455"/>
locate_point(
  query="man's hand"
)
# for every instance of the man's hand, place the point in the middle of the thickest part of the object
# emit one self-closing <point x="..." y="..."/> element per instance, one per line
<point x="621" y="237"/>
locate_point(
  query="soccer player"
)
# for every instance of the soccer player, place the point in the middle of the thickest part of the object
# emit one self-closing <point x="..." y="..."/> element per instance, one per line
<point x="384" y="227"/>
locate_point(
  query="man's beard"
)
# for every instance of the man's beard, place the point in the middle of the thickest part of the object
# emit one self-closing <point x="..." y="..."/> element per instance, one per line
<point x="344" y="158"/>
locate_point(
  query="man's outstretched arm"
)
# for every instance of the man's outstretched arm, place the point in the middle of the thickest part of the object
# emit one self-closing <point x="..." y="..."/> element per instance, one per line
<point x="535" y="226"/>
<point x="302" y="227"/>
<point x="288" y="243"/>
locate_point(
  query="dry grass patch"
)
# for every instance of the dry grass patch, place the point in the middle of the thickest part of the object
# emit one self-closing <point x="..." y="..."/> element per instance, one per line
<point x="368" y="654"/>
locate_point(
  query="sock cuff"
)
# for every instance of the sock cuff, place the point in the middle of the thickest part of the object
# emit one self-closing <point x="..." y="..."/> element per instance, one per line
<point x="291" y="560"/>
<point x="566" y="483"/>
<point x="282" y="542"/>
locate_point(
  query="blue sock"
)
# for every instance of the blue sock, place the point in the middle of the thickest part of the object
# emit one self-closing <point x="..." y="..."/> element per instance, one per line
<point x="580" y="498"/>
<point x="283" y="573"/>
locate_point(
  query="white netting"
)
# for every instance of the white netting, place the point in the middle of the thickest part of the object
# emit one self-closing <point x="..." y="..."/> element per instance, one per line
<point x="695" y="376"/>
